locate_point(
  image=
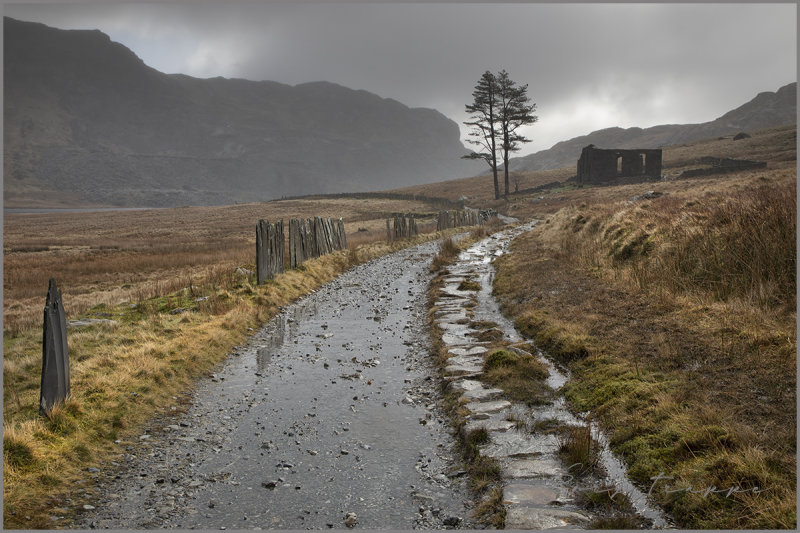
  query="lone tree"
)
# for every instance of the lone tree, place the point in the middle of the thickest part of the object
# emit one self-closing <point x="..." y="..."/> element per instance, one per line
<point x="483" y="121"/>
<point x="499" y="108"/>
<point x="515" y="110"/>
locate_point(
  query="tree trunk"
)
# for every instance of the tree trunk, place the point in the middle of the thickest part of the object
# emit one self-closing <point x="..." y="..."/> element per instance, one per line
<point x="496" y="185"/>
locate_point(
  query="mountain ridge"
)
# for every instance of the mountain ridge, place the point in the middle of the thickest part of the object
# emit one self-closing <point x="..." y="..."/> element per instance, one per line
<point x="767" y="109"/>
<point x="89" y="121"/>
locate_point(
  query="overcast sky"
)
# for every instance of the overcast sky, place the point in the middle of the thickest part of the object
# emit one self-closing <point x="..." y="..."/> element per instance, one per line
<point x="587" y="66"/>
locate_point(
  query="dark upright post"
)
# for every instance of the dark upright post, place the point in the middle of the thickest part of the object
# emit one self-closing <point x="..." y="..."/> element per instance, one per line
<point x="55" y="354"/>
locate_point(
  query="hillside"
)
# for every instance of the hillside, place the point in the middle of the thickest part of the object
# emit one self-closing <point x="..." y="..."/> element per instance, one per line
<point x="766" y="110"/>
<point x="87" y="122"/>
<point x="777" y="146"/>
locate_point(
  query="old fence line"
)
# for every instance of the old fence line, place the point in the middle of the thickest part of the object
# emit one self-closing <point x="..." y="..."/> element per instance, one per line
<point x="269" y="250"/>
<point x="403" y="227"/>
<point x="308" y="238"/>
<point x="314" y="237"/>
<point x="467" y="217"/>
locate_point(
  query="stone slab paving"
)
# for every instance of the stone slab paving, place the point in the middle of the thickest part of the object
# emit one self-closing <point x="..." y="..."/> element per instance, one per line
<point x="543" y="466"/>
<point x="492" y="423"/>
<point x="541" y="517"/>
<point x="518" y="444"/>
<point x="488" y="407"/>
<point x="531" y="493"/>
<point x="471" y="350"/>
<point x="482" y="394"/>
<point x="537" y="493"/>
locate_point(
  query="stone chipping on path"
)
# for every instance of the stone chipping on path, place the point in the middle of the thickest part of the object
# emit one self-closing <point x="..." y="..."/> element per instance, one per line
<point x="328" y="417"/>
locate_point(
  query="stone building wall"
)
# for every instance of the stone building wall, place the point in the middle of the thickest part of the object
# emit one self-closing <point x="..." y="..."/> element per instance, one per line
<point x="597" y="165"/>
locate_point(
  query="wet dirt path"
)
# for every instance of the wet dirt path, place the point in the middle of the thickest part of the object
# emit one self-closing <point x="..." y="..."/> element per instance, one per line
<point x="326" y="418"/>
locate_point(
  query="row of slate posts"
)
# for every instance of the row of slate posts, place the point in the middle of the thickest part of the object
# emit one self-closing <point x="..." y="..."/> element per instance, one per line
<point x="315" y="237"/>
<point x="308" y="238"/>
<point x="455" y="219"/>
<point x="403" y="227"/>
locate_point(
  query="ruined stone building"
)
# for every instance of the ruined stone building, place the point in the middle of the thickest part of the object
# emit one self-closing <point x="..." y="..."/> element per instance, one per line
<point x="597" y="165"/>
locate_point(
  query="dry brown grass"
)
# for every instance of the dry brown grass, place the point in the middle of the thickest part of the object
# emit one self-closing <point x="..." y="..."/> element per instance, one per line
<point x="677" y="317"/>
<point x="110" y="257"/>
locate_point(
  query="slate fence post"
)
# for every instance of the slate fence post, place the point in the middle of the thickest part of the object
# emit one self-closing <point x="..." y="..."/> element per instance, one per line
<point x="403" y="226"/>
<point x="55" y="353"/>
<point x="269" y="250"/>
<point x="309" y="238"/>
<point x="455" y="219"/>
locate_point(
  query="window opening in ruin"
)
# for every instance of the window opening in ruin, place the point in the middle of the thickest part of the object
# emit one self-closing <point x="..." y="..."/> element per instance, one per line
<point x="644" y="163"/>
<point x="619" y="165"/>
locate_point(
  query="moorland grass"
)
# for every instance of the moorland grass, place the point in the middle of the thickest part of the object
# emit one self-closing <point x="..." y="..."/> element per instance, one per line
<point x="676" y="317"/>
<point x="111" y="257"/>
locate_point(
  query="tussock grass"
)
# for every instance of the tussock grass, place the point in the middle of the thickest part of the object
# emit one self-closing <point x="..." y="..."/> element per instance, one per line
<point x="682" y="309"/>
<point x="448" y="252"/>
<point x="722" y="246"/>
<point x="469" y="285"/>
<point x="611" y="509"/>
<point x="579" y="451"/>
<point x="522" y="377"/>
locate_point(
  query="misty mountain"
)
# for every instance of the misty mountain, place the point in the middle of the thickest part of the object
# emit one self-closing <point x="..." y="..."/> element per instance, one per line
<point x="87" y="121"/>
<point x="766" y="110"/>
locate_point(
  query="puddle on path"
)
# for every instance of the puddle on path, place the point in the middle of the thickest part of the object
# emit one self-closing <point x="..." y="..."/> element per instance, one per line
<point x="538" y="493"/>
<point x="330" y="409"/>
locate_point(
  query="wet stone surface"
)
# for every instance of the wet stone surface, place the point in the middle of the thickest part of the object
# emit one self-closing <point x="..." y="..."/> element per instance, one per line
<point x="539" y="490"/>
<point x="326" y="418"/>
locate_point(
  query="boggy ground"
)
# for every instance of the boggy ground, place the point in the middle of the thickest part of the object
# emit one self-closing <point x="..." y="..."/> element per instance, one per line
<point x="693" y="379"/>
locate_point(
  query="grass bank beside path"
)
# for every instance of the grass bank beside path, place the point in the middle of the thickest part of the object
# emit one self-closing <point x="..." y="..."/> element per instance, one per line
<point x="676" y="316"/>
<point x="126" y="371"/>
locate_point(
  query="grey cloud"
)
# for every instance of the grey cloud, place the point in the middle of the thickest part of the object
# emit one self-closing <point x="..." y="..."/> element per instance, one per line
<point x="648" y="63"/>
